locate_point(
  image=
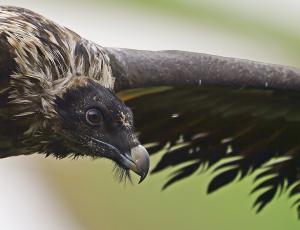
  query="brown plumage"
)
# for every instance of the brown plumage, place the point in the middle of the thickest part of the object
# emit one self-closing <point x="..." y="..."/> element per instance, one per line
<point x="58" y="97"/>
<point x="53" y="82"/>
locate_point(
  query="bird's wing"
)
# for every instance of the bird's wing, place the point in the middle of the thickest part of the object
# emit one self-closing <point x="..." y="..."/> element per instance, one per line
<point x="235" y="127"/>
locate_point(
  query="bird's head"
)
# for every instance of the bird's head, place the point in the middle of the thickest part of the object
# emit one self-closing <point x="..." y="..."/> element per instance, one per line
<point x="92" y="121"/>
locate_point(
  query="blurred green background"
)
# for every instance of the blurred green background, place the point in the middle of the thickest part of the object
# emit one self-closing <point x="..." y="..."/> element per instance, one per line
<point x="261" y="30"/>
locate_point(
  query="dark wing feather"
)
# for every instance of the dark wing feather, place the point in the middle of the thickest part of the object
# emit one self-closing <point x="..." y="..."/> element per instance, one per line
<point x="238" y="131"/>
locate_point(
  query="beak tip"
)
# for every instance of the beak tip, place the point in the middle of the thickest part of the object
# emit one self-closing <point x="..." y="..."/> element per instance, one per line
<point x="142" y="161"/>
<point x="142" y="178"/>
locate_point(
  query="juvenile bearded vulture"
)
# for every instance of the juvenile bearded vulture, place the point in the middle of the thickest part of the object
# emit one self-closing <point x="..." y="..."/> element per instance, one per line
<point x="58" y="97"/>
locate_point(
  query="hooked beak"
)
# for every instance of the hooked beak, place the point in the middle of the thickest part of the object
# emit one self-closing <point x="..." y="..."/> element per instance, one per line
<point x="138" y="161"/>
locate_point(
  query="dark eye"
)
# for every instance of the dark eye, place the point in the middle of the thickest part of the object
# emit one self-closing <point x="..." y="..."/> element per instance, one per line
<point x="93" y="116"/>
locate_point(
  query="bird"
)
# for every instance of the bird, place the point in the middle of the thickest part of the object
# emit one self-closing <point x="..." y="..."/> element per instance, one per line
<point x="62" y="95"/>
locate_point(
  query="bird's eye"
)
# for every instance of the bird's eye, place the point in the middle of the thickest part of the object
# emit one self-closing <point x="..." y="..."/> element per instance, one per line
<point x="93" y="117"/>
